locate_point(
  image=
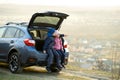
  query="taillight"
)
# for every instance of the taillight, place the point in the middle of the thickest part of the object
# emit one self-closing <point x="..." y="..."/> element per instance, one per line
<point x="65" y="46"/>
<point x="29" y="42"/>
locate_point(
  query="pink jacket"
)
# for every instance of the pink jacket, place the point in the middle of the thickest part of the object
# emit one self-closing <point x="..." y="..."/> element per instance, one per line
<point x="58" y="43"/>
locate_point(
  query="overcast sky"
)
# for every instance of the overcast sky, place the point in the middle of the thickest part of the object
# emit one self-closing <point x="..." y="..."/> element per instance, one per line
<point x="72" y="3"/>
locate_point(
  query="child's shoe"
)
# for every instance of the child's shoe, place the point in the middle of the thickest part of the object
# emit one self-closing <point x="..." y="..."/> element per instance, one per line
<point x="48" y="69"/>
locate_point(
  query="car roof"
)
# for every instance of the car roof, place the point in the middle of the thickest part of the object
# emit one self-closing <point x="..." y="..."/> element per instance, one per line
<point x="23" y="25"/>
<point x="17" y="26"/>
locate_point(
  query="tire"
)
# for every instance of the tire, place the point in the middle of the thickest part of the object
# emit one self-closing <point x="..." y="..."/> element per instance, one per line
<point x="14" y="63"/>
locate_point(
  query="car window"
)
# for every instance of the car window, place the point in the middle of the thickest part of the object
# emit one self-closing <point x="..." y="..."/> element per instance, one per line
<point x="10" y="33"/>
<point x="19" y="33"/>
<point x="2" y="29"/>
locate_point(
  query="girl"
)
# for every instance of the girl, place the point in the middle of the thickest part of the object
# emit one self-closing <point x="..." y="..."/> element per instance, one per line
<point x="59" y="46"/>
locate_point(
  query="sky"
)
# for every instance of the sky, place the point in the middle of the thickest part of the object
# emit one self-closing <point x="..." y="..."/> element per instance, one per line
<point x="71" y="3"/>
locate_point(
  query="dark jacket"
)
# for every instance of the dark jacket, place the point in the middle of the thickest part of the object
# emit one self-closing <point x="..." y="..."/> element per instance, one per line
<point x="49" y="43"/>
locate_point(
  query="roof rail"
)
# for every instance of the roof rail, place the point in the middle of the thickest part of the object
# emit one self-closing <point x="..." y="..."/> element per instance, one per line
<point x="14" y="23"/>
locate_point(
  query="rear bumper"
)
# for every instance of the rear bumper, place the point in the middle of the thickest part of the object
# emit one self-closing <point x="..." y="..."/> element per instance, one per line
<point x="32" y="57"/>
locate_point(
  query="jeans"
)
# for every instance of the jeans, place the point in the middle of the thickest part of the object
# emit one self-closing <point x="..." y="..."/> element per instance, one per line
<point x="53" y="54"/>
<point x="62" y="55"/>
<point x="50" y="57"/>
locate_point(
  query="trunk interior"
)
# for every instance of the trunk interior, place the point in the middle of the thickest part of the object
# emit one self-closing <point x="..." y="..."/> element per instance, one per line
<point x="39" y="36"/>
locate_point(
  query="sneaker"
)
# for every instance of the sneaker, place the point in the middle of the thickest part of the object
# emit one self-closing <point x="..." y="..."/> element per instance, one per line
<point x="63" y="66"/>
<point x="59" y="67"/>
<point x="48" y="69"/>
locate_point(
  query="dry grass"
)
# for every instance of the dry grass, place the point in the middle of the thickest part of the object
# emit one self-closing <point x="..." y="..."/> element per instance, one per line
<point x="75" y="67"/>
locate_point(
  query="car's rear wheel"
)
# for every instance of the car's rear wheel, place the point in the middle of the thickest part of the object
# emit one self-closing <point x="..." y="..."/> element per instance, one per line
<point x="14" y="63"/>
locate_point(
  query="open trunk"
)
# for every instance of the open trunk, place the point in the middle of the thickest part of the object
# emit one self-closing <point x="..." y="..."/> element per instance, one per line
<point x="39" y="24"/>
<point x="39" y="36"/>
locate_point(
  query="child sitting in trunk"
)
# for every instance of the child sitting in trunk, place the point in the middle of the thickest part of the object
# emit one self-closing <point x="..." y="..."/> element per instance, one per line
<point x="49" y="49"/>
<point x="59" y="46"/>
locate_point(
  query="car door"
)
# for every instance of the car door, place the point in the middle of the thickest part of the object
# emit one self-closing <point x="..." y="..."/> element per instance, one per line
<point x="7" y="41"/>
<point x="2" y="31"/>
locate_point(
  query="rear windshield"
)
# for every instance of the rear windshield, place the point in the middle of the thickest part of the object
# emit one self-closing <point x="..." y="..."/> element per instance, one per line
<point x="46" y="20"/>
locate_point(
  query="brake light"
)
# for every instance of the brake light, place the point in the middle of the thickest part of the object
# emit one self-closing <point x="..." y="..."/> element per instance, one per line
<point x="29" y="42"/>
<point x="65" y="46"/>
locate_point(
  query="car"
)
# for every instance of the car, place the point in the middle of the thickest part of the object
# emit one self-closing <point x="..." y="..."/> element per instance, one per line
<point x="21" y="43"/>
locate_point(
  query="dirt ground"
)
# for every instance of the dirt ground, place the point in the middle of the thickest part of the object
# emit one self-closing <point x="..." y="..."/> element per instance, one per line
<point x="39" y="73"/>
